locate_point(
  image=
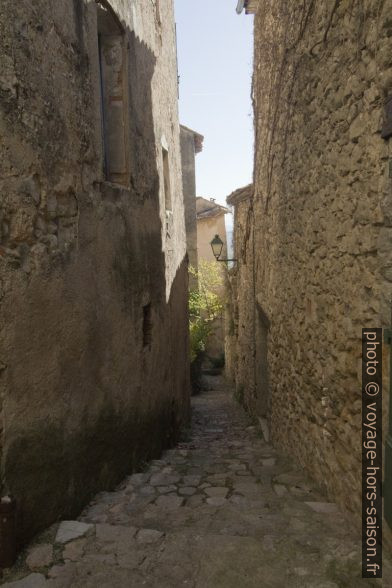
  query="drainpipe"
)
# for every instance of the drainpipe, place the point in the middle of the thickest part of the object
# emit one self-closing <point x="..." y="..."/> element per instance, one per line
<point x="7" y="532"/>
<point x="240" y="6"/>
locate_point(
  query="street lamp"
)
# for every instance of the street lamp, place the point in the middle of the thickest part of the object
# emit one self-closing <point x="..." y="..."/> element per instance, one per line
<point x="217" y="246"/>
<point x="240" y="6"/>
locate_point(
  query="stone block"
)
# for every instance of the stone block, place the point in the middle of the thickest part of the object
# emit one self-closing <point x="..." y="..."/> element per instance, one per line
<point x="220" y="492"/>
<point x="69" y="530"/>
<point x="115" y="533"/>
<point x="187" y="490"/>
<point x="279" y="489"/>
<point x="169" y="501"/>
<point x="74" y="550"/>
<point x="166" y="489"/>
<point x="40" y="556"/>
<point x="149" y="536"/>
<point x="164" y="479"/>
<point x="216" y="501"/>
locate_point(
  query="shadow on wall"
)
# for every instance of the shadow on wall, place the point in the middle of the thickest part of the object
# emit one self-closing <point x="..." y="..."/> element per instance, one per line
<point x="87" y="397"/>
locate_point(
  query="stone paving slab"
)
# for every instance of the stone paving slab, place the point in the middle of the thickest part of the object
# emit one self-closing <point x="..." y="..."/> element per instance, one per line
<point x="221" y="510"/>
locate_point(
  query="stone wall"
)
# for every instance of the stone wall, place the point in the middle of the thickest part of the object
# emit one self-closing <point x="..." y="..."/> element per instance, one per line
<point x="321" y="216"/>
<point x="239" y="321"/>
<point x="93" y="276"/>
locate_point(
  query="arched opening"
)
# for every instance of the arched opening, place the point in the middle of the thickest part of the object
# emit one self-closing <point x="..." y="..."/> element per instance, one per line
<point x="114" y="96"/>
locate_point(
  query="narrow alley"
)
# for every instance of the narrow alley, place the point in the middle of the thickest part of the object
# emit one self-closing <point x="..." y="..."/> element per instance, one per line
<point x="223" y="509"/>
<point x="195" y="293"/>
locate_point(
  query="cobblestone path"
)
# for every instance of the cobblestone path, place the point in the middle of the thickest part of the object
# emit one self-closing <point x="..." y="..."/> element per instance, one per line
<point x="222" y="510"/>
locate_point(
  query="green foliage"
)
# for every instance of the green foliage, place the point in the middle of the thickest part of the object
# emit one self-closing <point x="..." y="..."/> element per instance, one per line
<point x="205" y="304"/>
<point x="199" y="333"/>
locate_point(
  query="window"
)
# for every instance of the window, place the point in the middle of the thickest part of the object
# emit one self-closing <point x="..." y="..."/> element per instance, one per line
<point x="114" y="103"/>
<point x="157" y="12"/>
<point x="166" y="179"/>
<point x="147" y="325"/>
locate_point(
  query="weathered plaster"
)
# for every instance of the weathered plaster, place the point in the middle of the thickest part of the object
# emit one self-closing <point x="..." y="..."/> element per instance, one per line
<point x="82" y="400"/>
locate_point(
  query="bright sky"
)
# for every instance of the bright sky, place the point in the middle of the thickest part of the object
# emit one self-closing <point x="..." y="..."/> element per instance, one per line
<point x="215" y="51"/>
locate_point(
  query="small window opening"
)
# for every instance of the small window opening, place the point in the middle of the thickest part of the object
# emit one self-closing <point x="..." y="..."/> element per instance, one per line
<point x="147" y="325"/>
<point x="166" y="179"/>
<point x="112" y="77"/>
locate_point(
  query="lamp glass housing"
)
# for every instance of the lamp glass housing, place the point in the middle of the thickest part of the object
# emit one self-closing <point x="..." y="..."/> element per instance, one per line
<point x="217" y="246"/>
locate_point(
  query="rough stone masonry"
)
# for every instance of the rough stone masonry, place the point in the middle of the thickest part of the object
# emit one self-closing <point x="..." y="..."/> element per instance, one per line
<point x="93" y="278"/>
<point x="315" y="234"/>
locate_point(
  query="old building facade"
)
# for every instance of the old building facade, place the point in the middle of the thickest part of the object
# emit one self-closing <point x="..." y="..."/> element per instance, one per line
<point x="314" y="235"/>
<point x="93" y="274"/>
<point x="191" y="145"/>
<point x="210" y="217"/>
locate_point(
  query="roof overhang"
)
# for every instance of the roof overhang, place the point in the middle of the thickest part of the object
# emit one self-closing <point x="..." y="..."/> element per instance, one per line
<point x="212" y="213"/>
<point x="240" y="195"/>
<point x="197" y="138"/>
<point x="213" y="210"/>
